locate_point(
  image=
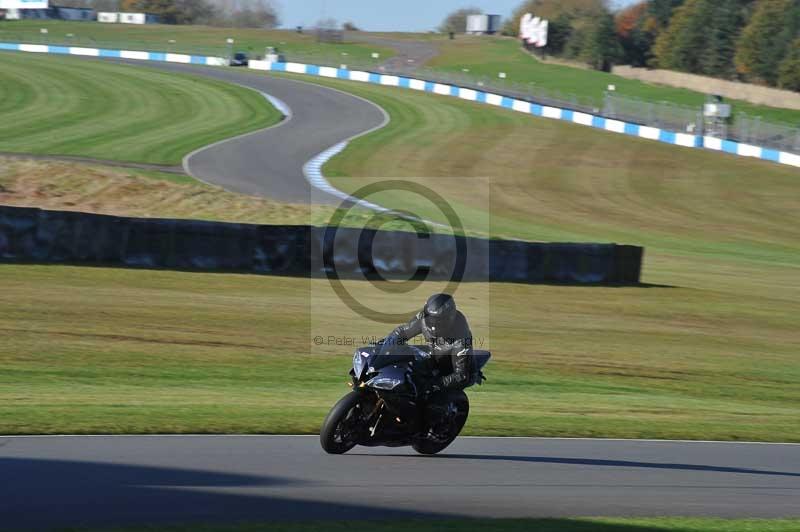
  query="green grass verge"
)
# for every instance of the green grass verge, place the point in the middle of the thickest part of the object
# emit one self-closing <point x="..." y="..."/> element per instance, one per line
<point x="102" y="350"/>
<point x="661" y="524"/>
<point x="199" y="40"/>
<point x="71" y="106"/>
<point x="487" y="56"/>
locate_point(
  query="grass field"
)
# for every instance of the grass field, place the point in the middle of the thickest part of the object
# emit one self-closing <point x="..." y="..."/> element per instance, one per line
<point x="487" y="56"/>
<point x="202" y="40"/>
<point x="713" y="357"/>
<point x="96" y="350"/>
<point x="61" y="185"/>
<point x="554" y="181"/>
<point x="68" y="106"/>
<point x="482" y="56"/>
<point x="664" y="524"/>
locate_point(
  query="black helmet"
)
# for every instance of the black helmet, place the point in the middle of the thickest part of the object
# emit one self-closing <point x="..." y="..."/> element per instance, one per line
<point x="439" y="312"/>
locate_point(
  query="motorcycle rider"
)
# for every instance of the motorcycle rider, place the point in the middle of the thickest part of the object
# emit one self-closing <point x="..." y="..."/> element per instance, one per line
<point x="449" y="338"/>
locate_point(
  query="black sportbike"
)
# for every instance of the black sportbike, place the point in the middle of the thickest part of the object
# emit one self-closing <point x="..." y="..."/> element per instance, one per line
<point x="384" y="408"/>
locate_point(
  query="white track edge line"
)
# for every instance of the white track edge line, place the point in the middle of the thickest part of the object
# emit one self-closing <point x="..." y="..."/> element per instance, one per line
<point x="312" y="169"/>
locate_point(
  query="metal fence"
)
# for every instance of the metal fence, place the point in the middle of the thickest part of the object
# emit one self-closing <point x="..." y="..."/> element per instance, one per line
<point x="754" y="130"/>
<point x="662" y="115"/>
<point x="520" y="90"/>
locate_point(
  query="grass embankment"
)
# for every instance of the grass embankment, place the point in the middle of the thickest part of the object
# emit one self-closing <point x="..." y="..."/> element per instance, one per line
<point x="487" y="56"/>
<point x="61" y="185"/>
<point x="69" y="106"/>
<point x="199" y="40"/>
<point x="664" y="524"/>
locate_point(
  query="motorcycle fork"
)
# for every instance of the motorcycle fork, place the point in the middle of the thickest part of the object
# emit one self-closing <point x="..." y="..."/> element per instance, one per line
<point x="379" y="406"/>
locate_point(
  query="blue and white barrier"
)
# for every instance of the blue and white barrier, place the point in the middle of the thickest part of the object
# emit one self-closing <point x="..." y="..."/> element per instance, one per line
<point x="651" y="133"/>
<point x="121" y="54"/>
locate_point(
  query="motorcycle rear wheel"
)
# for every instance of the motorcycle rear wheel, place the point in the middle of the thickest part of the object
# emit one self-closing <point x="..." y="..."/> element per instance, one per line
<point x="337" y="436"/>
<point x="434" y="445"/>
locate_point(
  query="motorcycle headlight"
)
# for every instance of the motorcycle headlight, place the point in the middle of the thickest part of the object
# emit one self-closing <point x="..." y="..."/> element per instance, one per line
<point x="384" y="383"/>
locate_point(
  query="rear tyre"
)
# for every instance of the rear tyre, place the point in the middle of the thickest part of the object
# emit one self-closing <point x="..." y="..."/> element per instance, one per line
<point x="340" y="430"/>
<point x="458" y="406"/>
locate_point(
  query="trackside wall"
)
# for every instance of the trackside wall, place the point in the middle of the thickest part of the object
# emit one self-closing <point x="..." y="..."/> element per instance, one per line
<point x="30" y="235"/>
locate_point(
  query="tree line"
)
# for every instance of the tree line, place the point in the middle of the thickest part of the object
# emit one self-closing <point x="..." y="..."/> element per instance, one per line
<point x="756" y="41"/>
<point x="230" y="13"/>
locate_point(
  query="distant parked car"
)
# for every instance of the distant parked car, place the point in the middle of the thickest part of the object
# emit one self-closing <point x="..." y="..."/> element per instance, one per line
<point x="239" y="59"/>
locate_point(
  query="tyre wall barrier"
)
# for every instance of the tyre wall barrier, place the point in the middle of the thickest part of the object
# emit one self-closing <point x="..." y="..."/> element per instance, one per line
<point x="606" y="124"/>
<point x="30" y="235"/>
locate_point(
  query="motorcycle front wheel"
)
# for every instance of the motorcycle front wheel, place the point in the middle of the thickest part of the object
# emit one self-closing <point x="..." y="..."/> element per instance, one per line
<point x="458" y="405"/>
<point x="341" y="428"/>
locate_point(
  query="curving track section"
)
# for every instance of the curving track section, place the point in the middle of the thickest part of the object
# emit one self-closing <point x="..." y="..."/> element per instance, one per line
<point x="270" y="162"/>
<point x="101" y="480"/>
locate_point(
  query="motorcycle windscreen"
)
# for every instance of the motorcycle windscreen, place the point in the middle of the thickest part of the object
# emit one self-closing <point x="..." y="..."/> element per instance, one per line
<point x="362" y="359"/>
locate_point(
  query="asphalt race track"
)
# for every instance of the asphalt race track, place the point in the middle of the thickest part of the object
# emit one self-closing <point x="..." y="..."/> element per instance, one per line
<point x="270" y="162"/>
<point x="103" y="480"/>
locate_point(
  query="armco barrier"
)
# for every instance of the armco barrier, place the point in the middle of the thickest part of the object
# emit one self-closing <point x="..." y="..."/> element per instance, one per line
<point x="568" y="115"/>
<point x="29" y="235"/>
<point x="118" y="54"/>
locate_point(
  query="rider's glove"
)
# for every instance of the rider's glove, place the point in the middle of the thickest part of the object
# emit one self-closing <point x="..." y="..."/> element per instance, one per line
<point x="428" y="386"/>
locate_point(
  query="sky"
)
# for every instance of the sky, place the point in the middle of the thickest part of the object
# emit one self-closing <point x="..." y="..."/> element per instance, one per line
<point x="386" y="15"/>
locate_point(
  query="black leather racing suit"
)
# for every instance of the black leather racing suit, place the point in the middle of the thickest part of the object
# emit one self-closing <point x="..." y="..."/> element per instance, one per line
<point x="451" y="348"/>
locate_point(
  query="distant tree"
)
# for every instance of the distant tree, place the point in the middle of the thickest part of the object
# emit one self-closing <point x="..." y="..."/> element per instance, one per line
<point x="702" y="37"/>
<point x="578" y="37"/>
<point x="167" y="10"/>
<point x="456" y="21"/>
<point x="600" y="47"/>
<point x="789" y="69"/>
<point x="244" y="14"/>
<point x="723" y="33"/>
<point x="662" y="10"/>
<point x="627" y="20"/>
<point x="633" y="35"/>
<point x="350" y="26"/>
<point x="765" y="40"/>
<point x="195" y="12"/>
<point x="681" y="45"/>
<point x="76" y="3"/>
<point x="253" y="17"/>
<point x="558" y="34"/>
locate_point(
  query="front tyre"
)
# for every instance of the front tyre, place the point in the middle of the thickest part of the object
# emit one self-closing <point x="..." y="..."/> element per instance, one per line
<point x="341" y="427"/>
<point x="442" y="434"/>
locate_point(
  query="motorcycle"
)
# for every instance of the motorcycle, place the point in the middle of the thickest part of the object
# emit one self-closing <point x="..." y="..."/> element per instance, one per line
<point x="385" y="409"/>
